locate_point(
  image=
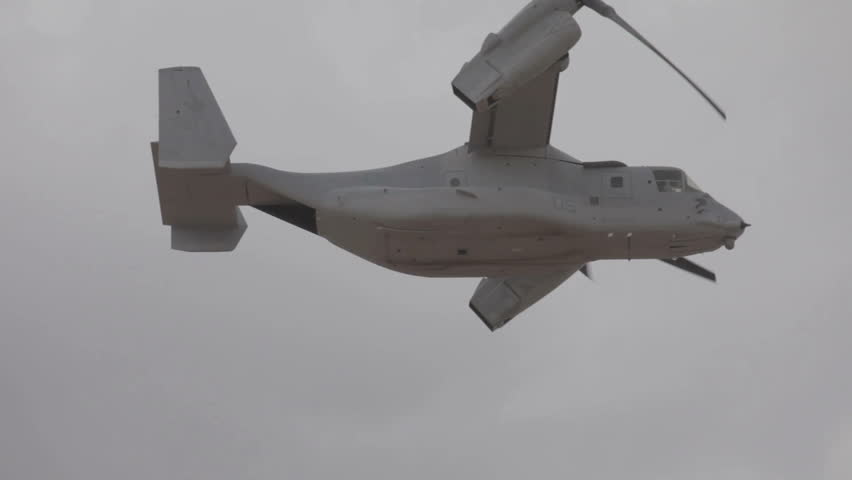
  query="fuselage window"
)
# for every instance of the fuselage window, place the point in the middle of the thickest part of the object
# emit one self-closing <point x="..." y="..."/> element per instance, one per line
<point x="616" y="182"/>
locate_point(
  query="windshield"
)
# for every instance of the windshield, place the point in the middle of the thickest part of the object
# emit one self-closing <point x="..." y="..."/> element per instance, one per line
<point x="691" y="186"/>
<point x="674" y="180"/>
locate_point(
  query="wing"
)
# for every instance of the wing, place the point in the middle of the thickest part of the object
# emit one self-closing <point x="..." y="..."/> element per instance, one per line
<point x="520" y="121"/>
<point x="499" y="300"/>
<point x="510" y="84"/>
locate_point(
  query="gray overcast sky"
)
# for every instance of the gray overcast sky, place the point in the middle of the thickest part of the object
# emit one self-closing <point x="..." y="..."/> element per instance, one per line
<point x="291" y="359"/>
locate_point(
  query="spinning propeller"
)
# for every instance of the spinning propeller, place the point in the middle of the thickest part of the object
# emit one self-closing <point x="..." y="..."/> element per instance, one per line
<point x="607" y="11"/>
<point x="691" y="267"/>
<point x="679" y="262"/>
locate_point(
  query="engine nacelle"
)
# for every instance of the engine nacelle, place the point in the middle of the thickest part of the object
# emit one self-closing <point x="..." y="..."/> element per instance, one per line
<point x="538" y="37"/>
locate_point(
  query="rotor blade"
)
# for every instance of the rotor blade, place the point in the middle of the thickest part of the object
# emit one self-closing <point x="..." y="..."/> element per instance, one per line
<point x="585" y="270"/>
<point x="691" y="267"/>
<point x="607" y="11"/>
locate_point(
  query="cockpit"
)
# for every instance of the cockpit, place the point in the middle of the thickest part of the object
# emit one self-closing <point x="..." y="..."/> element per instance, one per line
<point x="674" y="180"/>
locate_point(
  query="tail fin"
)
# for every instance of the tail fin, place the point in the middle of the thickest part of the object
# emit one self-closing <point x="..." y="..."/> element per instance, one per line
<point x="193" y="131"/>
<point x="198" y="196"/>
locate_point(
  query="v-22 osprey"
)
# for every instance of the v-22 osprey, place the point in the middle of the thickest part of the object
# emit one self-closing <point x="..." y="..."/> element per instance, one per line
<point x="507" y="206"/>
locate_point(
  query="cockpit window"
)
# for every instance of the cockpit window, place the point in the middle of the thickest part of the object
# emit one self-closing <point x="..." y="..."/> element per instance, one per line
<point x="669" y="180"/>
<point x="691" y="186"/>
<point x="674" y="180"/>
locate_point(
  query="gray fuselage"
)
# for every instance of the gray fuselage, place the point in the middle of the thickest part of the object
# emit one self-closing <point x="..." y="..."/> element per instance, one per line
<point x="477" y="214"/>
<point x="506" y="206"/>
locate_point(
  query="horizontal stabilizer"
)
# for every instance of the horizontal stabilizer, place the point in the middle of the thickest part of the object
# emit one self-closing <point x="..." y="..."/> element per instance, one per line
<point x="201" y="209"/>
<point x="193" y="131"/>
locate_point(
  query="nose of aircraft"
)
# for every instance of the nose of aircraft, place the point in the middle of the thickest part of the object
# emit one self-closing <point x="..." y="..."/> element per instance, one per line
<point x="733" y="225"/>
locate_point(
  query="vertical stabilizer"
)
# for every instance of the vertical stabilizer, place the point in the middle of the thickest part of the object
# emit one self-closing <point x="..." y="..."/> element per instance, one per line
<point x="193" y="131"/>
<point x="198" y="196"/>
